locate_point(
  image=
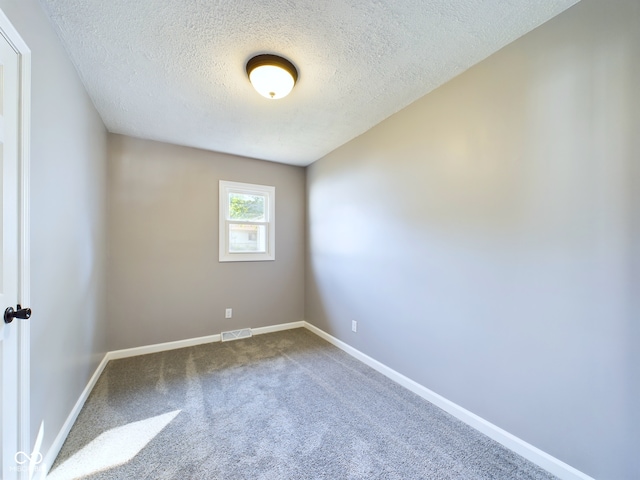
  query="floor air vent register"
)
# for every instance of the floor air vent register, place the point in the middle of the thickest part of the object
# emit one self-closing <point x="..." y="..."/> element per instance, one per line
<point x="236" y="334"/>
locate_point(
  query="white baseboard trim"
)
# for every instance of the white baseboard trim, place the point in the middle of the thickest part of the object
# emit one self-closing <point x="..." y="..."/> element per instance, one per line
<point x="517" y="445"/>
<point x="161" y="347"/>
<point x="53" y="451"/>
<point x="190" y="342"/>
<point x="278" y="328"/>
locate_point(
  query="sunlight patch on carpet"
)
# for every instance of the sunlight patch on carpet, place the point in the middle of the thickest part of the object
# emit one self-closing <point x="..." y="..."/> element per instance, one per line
<point x="112" y="448"/>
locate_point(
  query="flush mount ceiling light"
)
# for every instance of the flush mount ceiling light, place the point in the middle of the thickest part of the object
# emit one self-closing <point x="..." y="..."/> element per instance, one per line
<point x="272" y="76"/>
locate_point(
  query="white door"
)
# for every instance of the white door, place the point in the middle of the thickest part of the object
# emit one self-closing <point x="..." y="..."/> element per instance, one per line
<point x="9" y="95"/>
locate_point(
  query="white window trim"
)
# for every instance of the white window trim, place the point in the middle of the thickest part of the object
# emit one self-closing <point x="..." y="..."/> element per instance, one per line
<point x="226" y="188"/>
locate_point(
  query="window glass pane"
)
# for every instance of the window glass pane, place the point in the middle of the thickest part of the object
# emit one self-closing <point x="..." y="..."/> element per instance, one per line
<point x="247" y="238"/>
<point x="247" y="212"/>
<point x="247" y="207"/>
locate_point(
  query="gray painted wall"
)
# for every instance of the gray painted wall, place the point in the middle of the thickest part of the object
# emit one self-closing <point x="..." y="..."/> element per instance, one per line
<point x="486" y="239"/>
<point x="164" y="279"/>
<point x="68" y="177"/>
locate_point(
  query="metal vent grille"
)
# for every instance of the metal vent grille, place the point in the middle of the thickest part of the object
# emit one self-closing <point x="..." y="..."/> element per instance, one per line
<point x="236" y="334"/>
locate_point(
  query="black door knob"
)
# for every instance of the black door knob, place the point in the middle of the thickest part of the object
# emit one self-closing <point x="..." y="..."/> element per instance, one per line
<point x="10" y="313"/>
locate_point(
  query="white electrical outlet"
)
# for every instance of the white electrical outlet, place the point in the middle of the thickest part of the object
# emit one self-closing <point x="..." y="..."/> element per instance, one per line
<point x="228" y="313"/>
<point x="354" y="326"/>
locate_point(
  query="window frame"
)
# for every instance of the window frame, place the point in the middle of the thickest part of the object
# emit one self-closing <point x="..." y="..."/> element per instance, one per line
<point x="269" y="192"/>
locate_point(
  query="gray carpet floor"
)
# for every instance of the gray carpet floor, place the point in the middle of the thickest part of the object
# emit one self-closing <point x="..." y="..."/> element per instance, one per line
<point x="284" y="405"/>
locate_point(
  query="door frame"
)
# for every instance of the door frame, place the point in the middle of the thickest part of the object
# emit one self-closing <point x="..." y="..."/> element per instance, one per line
<point x="8" y="31"/>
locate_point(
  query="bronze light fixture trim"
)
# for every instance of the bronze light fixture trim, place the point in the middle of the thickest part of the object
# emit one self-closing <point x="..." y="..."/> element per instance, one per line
<point x="272" y="76"/>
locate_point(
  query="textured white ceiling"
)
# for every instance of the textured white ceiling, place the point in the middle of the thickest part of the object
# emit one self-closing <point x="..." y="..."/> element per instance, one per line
<point x="174" y="70"/>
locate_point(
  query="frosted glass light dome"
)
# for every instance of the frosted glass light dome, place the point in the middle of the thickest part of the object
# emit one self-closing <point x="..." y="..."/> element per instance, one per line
<point x="273" y="77"/>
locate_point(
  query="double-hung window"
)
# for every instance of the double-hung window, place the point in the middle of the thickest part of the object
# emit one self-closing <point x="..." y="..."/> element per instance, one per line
<point x="247" y="222"/>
